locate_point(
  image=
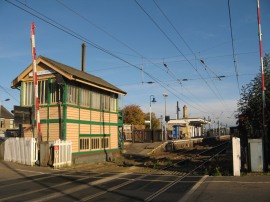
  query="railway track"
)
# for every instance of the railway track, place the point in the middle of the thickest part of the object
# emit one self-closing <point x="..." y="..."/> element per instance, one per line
<point x="169" y="183"/>
<point x="181" y="170"/>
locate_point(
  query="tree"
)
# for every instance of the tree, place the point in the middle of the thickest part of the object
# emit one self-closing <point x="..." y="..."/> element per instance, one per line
<point x="155" y="123"/>
<point x="250" y="108"/>
<point x="133" y="115"/>
<point x="250" y="104"/>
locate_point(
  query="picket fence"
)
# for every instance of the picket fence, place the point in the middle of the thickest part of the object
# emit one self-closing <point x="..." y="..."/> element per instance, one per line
<point x="62" y="153"/>
<point x="25" y="151"/>
<point x="21" y="150"/>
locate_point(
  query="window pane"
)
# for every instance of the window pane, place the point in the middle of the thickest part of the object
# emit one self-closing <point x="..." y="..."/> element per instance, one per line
<point x="56" y="93"/>
<point x="84" y="144"/>
<point x="95" y="100"/>
<point x="43" y="91"/>
<point x="85" y="97"/>
<point x="95" y="143"/>
<point x="72" y="94"/>
<point x="106" y="102"/>
<point x="11" y="123"/>
<point x="28" y="93"/>
<point x="113" y="103"/>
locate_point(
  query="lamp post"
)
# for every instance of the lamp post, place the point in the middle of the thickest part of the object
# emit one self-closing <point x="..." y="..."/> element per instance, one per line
<point x="165" y="95"/>
<point x="153" y="100"/>
<point x="161" y="126"/>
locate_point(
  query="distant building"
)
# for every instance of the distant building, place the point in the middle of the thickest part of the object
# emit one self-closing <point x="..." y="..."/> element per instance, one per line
<point x="74" y="105"/>
<point x="187" y="127"/>
<point x="6" y="120"/>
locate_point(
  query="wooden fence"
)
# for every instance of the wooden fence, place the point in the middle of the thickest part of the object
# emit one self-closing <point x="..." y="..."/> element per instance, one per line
<point x="21" y="150"/>
<point x="62" y="153"/>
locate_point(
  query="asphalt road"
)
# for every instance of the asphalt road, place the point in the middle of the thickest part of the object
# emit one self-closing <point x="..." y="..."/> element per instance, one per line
<point x="25" y="183"/>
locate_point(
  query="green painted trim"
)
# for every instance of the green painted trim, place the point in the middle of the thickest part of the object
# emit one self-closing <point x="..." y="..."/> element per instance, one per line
<point x="79" y="129"/>
<point x="79" y="122"/>
<point x="95" y="151"/>
<point x="21" y="93"/>
<point x="64" y="132"/>
<point x="91" y="122"/>
<point x="94" y="135"/>
<point x="48" y="125"/>
<point x="48" y="107"/>
<point x="49" y="99"/>
<point x="89" y="108"/>
<point x="50" y="121"/>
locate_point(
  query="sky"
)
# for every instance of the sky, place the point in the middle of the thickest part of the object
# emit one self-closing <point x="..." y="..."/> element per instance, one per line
<point x="199" y="53"/>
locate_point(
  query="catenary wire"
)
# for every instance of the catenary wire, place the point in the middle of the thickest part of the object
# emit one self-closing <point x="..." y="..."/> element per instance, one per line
<point x="233" y="49"/>
<point x="81" y="38"/>
<point x="169" y="39"/>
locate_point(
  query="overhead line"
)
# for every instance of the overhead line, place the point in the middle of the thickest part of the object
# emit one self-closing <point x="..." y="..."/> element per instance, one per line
<point x="168" y="72"/>
<point x="196" y="58"/>
<point x="161" y="30"/>
<point x="81" y="38"/>
<point x="233" y="49"/>
<point x="175" y="28"/>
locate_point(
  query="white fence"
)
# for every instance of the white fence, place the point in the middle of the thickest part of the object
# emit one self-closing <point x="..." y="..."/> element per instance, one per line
<point x="21" y="150"/>
<point x="62" y="153"/>
<point x="236" y="148"/>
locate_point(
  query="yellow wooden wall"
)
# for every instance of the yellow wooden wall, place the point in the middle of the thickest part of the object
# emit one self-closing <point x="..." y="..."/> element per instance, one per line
<point x="114" y="136"/>
<point x="72" y="133"/>
<point x="74" y="129"/>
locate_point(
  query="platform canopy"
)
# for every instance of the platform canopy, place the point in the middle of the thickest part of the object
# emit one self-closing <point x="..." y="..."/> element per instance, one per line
<point x="188" y="121"/>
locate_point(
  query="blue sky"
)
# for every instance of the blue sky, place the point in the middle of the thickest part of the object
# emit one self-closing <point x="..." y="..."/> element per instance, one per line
<point x="140" y="41"/>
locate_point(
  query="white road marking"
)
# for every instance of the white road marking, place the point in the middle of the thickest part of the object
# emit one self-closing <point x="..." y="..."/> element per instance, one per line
<point x="193" y="189"/>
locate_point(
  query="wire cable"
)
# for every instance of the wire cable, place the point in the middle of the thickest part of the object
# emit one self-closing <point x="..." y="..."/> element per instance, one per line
<point x="176" y="47"/>
<point x="70" y="32"/>
<point x="233" y="49"/>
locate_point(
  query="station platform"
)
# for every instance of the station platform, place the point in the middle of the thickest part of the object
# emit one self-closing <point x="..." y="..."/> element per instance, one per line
<point x="141" y="149"/>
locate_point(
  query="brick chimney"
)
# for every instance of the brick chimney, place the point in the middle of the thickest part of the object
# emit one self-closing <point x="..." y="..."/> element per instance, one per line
<point x="185" y="112"/>
<point x="83" y="58"/>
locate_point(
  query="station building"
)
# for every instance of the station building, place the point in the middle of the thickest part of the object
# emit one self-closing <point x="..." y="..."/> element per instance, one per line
<point x="74" y="105"/>
<point x="186" y="128"/>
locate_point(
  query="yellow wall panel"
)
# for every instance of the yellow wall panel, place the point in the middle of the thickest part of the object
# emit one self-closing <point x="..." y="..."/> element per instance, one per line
<point x="105" y="117"/>
<point x="95" y="116"/>
<point x="43" y="112"/>
<point x="72" y="113"/>
<point x="54" y="112"/>
<point x="95" y="129"/>
<point x="114" y="130"/>
<point x="114" y="142"/>
<point x="43" y="128"/>
<point x="84" y="128"/>
<point x="85" y="114"/>
<point x="73" y="135"/>
<point x="75" y="142"/>
<point x="114" y="118"/>
<point x="114" y="137"/>
<point x="54" y="131"/>
<point x="105" y="130"/>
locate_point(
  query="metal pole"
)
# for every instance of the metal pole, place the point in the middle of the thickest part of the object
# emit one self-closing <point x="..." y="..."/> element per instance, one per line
<point x="150" y="109"/>
<point x="166" y="138"/>
<point x="35" y="80"/>
<point x="150" y="113"/>
<point x="264" y="148"/>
